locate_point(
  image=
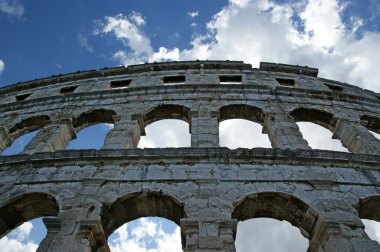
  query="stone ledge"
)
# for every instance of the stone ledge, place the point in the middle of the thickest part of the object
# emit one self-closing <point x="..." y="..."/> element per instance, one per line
<point x="220" y="155"/>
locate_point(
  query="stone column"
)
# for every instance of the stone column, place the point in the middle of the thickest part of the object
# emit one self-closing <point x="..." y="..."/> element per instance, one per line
<point x="204" y="129"/>
<point x="53" y="225"/>
<point x="331" y="236"/>
<point x="356" y="138"/>
<point x="51" y="138"/>
<point x="124" y="135"/>
<point x="5" y="139"/>
<point x="283" y="132"/>
<point x="73" y="231"/>
<point x="208" y="235"/>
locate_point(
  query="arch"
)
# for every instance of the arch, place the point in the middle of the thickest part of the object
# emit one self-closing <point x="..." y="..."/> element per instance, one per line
<point x="141" y="204"/>
<point x="280" y="206"/>
<point x="320" y="117"/>
<point x="26" y="207"/>
<point x="370" y="122"/>
<point x="166" y="111"/>
<point x="241" y="111"/>
<point x="29" y="124"/>
<point x="93" y="117"/>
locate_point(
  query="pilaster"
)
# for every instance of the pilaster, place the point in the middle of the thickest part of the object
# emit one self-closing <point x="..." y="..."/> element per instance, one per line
<point x="356" y="138"/>
<point x="283" y="132"/>
<point x="202" y="236"/>
<point x="51" y="138"/>
<point x="204" y="129"/>
<point x="124" y="135"/>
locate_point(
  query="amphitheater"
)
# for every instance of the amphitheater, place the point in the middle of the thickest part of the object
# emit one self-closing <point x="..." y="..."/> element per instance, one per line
<point x="205" y="189"/>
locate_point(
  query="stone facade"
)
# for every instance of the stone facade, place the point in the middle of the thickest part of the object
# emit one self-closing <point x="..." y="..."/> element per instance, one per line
<point x="205" y="189"/>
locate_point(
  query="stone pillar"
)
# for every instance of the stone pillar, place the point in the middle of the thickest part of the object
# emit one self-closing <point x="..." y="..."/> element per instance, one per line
<point x="208" y="235"/>
<point x="53" y="225"/>
<point x="124" y="135"/>
<point x="283" y="132"/>
<point x="333" y="236"/>
<point x="51" y="138"/>
<point x="356" y="138"/>
<point x="204" y="129"/>
<point x="74" y="231"/>
<point x="5" y="139"/>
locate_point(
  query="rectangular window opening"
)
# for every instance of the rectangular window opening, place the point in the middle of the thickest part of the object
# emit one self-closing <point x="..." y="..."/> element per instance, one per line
<point x="179" y="79"/>
<point x="286" y="82"/>
<point x="120" y="84"/>
<point x="68" y="90"/>
<point x="334" y="88"/>
<point x="22" y="96"/>
<point x="230" y="79"/>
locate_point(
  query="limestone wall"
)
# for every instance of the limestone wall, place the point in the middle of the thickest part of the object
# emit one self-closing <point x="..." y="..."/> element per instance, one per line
<point x="205" y="189"/>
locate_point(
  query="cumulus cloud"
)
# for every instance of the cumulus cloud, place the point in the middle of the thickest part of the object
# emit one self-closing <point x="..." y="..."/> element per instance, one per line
<point x="12" y="7"/>
<point x="193" y="14"/>
<point x="147" y="235"/>
<point x="305" y="33"/>
<point x="127" y="30"/>
<point x="18" y="240"/>
<point x="2" y="66"/>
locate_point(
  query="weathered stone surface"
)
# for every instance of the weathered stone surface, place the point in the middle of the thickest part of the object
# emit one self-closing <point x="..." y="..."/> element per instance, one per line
<point x="204" y="188"/>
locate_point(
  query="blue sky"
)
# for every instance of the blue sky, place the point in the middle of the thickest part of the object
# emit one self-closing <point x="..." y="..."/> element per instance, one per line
<point x="41" y="38"/>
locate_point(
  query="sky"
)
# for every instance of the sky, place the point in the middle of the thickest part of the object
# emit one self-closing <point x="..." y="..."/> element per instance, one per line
<point x="41" y="38"/>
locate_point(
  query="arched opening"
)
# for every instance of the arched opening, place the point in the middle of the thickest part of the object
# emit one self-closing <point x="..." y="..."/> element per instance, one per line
<point x="19" y="143"/>
<point x="91" y="137"/>
<point x="265" y="234"/>
<point x="147" y="234"/>
<point x="368" y="210"/>
<point x="278" y="206"/>
<point x="241" y="126"/>
<point x="166" y="126"/>
<point x="241" y="133"/>
<point x="143" y="204"/>
<point x="317" y="128"/>
<point x="25" y="237"/>
<point x="28" y="125"/>
<point x="23" y="132"/>
<point x="92" y="128"/>
<point x="24" y="208"/>
<point x="319" y="137"/>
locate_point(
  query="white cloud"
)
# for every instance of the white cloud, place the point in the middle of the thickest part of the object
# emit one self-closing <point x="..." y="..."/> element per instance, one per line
<point x="256" y="31"/>
<point x="193" y="24"/>
<point x="83" y="42"/>
<point x="2" y="66"/>
<point x="126" y="30"/>
<point x="147" y="236"/>
<point x="137" y="18"/>
<point x="265" y="234"/>
<point x="18" y="240"/>
<point x="193" y="14"/>
<point x="12" y="7"/>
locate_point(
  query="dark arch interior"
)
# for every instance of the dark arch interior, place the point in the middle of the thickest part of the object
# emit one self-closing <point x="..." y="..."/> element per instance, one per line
<point x="241" y="111"/>
<point x="144" y="204"/>
<point x="369" y="208"/>
<point x="28" y="125"/>
<point x="319" y="117"/>
<point x="167" y="112"/>
<point x="372" y="123"/>
<point x="279" y="206"/>
<point x="94" y="117"/>
<point x="25" y="208"/>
